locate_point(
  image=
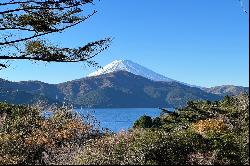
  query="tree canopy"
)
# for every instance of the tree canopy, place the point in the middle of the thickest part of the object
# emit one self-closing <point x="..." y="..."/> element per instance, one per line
<point x="24" y="23"/>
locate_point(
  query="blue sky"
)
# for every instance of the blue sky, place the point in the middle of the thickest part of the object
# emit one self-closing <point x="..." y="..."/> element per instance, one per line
<point x="200" y="42"/>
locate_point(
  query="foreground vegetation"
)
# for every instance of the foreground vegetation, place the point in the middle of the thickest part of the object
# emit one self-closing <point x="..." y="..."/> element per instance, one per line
<point x="204" y="132"/>
<point x="29" y="137"/>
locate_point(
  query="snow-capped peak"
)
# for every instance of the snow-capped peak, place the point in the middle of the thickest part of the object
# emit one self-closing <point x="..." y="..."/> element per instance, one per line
<point x="129" y="66"/>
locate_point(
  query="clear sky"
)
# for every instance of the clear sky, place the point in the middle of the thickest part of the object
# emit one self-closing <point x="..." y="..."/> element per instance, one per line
<point x="200" y="42"/>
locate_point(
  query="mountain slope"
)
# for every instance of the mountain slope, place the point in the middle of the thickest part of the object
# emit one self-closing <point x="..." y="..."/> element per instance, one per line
<point x="129" y="66"/>
<point x="124" y="89"/>
<point x="27" y="92"/>
<point x="111" y="90"/>
<point x="227" y="90"/>
<point x="134" y="68"/>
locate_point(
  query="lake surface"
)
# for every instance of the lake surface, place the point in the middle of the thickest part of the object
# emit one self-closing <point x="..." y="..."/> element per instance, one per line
<point x="117" y="119"/>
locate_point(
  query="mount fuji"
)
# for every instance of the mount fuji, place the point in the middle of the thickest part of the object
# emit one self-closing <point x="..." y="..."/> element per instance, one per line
<point x="134" y="68"/>
<point x="121" y="84"/>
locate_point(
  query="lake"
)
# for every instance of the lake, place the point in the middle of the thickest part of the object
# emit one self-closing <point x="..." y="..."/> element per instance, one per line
<point x="117" y="119"/>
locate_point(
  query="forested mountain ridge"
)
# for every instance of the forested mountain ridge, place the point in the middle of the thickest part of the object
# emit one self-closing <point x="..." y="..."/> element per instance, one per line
<point x="111" y="90"/>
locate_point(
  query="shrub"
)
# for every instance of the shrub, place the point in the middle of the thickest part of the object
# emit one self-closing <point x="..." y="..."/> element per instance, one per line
<point x="204" y="127"/>
<point x="27" y="137"/>
<point x="156" y="123"/>
<point x="142" y="147"/>
<point x="143" y="122"/>
<point x="207" y="135"/>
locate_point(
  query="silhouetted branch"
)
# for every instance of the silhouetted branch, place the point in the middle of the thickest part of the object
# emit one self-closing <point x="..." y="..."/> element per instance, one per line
<point x="40" y="18"/>
<point x="39" y="52"/>
<point x="18" y="2"/>
<point x="3" y="66"/>
<point x="17" y="28"/>
<point x="43" y="2"/>
<point x="42" y="34"/>
<point x="38" y="8"/>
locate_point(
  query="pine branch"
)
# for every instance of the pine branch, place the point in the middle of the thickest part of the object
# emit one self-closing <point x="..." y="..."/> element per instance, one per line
<point x="42" y="34"/>
<point x="53" y="54"/>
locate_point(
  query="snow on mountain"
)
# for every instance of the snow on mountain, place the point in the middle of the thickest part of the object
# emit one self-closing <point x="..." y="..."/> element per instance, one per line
<point x="129" y="66"/>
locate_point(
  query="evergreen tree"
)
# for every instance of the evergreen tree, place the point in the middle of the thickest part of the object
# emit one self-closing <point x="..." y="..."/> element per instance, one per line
<point x="34" y="19"/>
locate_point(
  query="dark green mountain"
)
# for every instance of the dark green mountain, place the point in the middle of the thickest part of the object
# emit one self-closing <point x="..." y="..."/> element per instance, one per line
<point x="123" y="89"/>
<point x="27" y="92"/>
<point x="117" y="89"/>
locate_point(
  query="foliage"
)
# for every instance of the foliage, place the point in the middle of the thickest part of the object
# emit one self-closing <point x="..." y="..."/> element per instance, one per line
<point x="202" y="133"/>
<point x="147" y="122"/>
<point x="27" y="137"/>
<point x="24" y="23"/>
<point x="144" y="122"/>
<point x="209" y="126"/>
<point x="142" y="147"/>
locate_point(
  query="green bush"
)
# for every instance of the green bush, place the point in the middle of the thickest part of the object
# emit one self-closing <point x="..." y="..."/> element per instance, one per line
<point x="143" y="122"/>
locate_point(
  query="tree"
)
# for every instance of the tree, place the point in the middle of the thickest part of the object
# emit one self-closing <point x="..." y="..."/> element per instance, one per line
<point x="143" y="122"/>
<point x="191" y="104"/>
<point x="156" y="123"/>
<point x="33" y="20"/>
